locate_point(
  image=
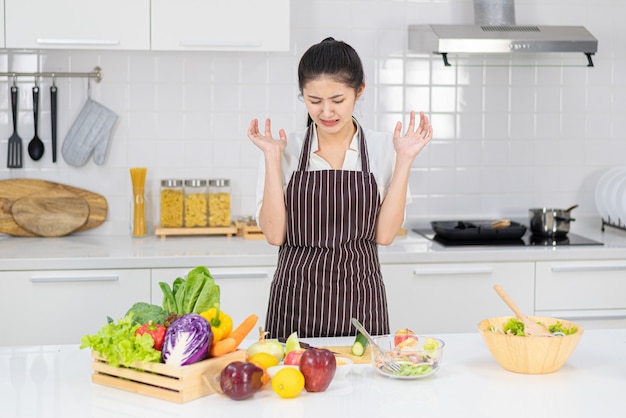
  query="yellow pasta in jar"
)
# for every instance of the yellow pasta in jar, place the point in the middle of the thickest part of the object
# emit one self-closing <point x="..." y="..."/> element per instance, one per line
<point x="171" y="208"/>
<point x="219" y="209"/>
<point x="195" y="210"/>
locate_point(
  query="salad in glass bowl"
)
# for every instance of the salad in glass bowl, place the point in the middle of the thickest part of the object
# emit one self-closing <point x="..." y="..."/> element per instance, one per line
<point x="414" y="356"/>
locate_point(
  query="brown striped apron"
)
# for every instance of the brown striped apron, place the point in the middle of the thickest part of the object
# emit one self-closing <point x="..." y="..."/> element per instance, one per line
<point x="328" y="270"/>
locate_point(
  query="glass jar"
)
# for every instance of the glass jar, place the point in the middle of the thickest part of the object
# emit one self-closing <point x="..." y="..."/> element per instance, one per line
<point x="172" y="203"/>
<point x="219" y="202"/>
<point x="195" y="203"/>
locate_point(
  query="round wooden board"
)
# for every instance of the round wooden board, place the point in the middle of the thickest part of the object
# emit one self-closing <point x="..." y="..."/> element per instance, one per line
<point x="53" y="213"/>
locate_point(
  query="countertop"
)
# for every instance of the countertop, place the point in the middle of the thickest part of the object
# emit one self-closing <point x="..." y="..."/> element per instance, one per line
<point x="90" y="251"/>
<point x="55" y="381"/>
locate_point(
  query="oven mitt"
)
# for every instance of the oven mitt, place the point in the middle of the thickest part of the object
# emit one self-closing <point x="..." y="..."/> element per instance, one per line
<point x="89" y="134"/>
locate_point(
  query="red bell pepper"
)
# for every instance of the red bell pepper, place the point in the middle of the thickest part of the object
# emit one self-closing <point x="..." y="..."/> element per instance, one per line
<point x="156" y="331"/>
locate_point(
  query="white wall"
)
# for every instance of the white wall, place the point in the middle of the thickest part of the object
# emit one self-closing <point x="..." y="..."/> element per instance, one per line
<point x="506" y="138"/>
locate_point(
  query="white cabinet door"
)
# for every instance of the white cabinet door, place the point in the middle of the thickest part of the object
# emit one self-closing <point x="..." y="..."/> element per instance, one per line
<point x="243" y="290"/>
<point x="441" y="298"/>
<point x="590" y="293"/>
<point x="78" y="24"/>
<point x="234" y="25"/>
<point x="2" y="25"/>
<point x="59" y="307"/>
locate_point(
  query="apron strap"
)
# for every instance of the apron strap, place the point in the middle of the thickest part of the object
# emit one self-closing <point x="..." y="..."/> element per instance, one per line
<point x="306" y="150"/>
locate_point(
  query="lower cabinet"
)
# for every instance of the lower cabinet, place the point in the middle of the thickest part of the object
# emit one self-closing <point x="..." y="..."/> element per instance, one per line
<point x="590" y="293"/>
<point x="243" y="290"/>
<point x="444" y="298"/>
<point x="59" y="307"/>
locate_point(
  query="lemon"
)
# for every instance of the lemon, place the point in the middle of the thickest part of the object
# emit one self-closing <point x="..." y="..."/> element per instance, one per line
<point x="288" y="382"/>
<point x="292" y="342"/>
<point x="263" y="360"/>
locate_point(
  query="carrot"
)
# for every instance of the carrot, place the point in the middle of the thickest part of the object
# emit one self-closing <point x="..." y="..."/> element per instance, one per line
<point x="221" y="347"/>
<point x="243" y="329"/>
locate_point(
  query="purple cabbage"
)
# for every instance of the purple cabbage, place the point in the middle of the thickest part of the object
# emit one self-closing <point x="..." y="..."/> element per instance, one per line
<point x="187" y="340"/>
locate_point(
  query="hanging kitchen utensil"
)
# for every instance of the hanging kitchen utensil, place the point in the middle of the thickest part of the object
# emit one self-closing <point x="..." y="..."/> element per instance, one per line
<point x="53" y="119"/>
<point x="14" y="158"/>
<point x="35" y="146"/>
<point x="531" y="328"/>
<point x="89" y="134"/>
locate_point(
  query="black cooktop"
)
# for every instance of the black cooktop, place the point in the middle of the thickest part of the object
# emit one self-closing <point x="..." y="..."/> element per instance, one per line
<point x="526" y="240"/>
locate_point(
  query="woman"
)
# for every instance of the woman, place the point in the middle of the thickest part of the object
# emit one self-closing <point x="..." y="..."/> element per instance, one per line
<point x="327" y="197"/>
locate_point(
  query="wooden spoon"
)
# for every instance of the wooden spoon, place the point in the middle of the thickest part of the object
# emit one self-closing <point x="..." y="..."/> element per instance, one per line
<point x="531" y="328"/>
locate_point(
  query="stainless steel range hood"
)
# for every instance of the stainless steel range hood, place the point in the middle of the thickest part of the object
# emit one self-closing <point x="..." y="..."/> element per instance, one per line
<point x="495" y="31"/>
<point x="489" y="39"/>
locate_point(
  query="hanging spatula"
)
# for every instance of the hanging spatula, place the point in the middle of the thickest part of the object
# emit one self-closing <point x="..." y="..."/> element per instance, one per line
<point x="14" y="158"/>
<point x="531" y="328"/>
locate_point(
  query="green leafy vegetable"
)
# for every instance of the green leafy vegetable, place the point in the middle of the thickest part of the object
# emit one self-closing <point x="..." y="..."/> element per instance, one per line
<point x="117" y="342"/>
<point x="514" y="326"/>
<point x="559" y="327"/>
<point x="197" y="293"/>
<point x="146" y="312"/>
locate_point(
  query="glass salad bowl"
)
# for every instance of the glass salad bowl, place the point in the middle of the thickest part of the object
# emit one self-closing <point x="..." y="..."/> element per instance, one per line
<point x="417" y="356"/>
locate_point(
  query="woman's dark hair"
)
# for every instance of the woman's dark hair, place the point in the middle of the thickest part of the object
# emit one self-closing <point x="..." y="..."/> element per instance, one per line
<point x="332" y="58"/>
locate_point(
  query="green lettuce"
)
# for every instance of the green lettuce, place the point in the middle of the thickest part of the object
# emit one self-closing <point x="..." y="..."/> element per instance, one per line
<point x="118" y="344"/>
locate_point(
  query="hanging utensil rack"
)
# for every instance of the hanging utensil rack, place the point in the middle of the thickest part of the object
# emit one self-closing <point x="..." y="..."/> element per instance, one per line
<point x="612" y="224"/>
<point x="96" y="74"/>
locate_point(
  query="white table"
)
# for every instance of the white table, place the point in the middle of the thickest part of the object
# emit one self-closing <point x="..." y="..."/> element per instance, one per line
<point x="55" y="381"/>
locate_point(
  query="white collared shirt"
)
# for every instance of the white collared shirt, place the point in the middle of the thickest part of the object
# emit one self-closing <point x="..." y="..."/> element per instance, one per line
<point x="382" y="158"/>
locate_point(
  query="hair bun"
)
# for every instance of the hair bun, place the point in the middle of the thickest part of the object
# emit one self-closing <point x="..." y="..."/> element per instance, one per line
<point x="329" y="39"/>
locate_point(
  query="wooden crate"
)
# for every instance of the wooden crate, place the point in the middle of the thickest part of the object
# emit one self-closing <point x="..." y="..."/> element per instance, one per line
<point x="229" y="231"/>
<point x="174" y="384"/>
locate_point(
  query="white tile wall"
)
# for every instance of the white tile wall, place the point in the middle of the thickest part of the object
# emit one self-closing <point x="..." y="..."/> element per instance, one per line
<point x="506" y="138"/>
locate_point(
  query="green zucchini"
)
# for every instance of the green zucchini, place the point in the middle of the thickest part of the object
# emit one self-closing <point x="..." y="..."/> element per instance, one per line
<point x="360" y="344"/>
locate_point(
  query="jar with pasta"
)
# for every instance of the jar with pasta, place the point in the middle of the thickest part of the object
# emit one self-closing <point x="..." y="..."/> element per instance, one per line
<point x="195" y="203"/>
<point x="219" y="202"/>
<point x="172" y="203"/>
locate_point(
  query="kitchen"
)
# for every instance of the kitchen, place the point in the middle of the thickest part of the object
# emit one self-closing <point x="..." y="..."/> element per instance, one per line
<point x="507" y="138"/>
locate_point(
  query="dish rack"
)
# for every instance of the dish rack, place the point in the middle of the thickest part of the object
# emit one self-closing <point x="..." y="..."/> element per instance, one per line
<point x="612" y="224"/>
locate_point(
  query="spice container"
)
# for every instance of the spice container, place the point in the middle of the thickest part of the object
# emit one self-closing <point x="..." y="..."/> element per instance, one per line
<point x="219" y="202"/>
<point x="195" y="203"/>
<point x="172" y="203"/>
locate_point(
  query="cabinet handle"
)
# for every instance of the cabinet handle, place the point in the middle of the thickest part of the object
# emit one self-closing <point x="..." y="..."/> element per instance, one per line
<point x="585" y="314"/>
<point x="569" y="269"/>
<point x="221" y="44"/>
<point x="61" y="41"/>
<point x="63" y="279"/>
<point x="240" y="275"/>
<point x="423" y="271"/>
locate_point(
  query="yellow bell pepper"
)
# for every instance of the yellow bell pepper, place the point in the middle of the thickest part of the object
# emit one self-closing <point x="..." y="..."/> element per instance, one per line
<point x="221" y="323"/>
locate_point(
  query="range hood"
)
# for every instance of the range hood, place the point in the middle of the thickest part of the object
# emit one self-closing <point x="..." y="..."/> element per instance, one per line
<point x="498" y="33"/>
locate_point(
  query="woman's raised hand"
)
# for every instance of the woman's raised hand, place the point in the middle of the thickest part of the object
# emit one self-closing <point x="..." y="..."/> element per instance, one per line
<point x="265" y="141"/>
<point x="415" y="138"/>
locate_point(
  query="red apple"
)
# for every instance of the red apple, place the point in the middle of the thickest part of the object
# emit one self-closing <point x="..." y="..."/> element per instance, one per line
<point x="318" y="365"/>
<point x="403" y="335"/>
<point x="241" y="379"/>
<point x="293" y="357"/>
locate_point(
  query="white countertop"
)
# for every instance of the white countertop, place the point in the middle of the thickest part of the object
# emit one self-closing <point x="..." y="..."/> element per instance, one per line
<point x="55" y="381"/>
<point x="88" y="251"/>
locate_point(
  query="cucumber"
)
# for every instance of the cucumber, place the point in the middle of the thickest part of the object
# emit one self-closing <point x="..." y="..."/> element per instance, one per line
<point x="359" y="346"/>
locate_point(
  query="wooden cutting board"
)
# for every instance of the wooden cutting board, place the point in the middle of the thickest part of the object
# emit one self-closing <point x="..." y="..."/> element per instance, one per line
<point x="53" y="213"/>
<point x="39" y="192"/>
<point x="346" y="351"/>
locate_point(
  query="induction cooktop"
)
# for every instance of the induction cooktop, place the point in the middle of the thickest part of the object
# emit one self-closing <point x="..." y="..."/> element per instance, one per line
<point x="527" y="239"/>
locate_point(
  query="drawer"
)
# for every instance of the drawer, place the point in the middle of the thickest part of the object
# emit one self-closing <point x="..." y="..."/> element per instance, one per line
<point x="59" y="307"/>
<point x="581" y="285"/>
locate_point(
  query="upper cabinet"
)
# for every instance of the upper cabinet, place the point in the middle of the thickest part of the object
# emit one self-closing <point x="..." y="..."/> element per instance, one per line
<point x="161" y="25"/>
<point x="77" y="24"/>
<point x="234" y="25"/>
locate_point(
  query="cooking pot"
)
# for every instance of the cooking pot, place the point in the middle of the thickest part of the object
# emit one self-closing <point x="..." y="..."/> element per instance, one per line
<point x="548" y="222"/>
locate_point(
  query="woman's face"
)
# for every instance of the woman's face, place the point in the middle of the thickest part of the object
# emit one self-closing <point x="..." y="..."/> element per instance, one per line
<point x="330" y="104"/>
